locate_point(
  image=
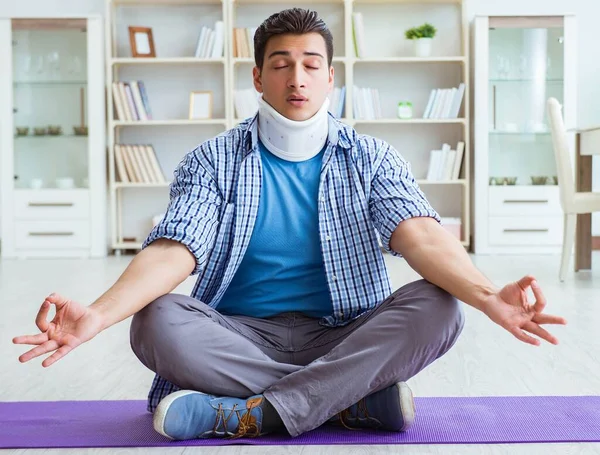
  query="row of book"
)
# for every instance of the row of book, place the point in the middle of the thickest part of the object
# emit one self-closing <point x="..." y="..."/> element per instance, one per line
<point x="445" y="102"/>
<point x="211" y="41"/>
<point x="131" y="101"/>
<point x="243" y="42"/>
<point x="336" y="101"/>
<point x="137" y="164"/>
<point x="445" y="164"/>
<point x="366" y="103"/>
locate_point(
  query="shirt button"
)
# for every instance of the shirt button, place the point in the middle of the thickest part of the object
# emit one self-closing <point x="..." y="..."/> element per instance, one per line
<point x="334" y="278"/>
<point x="328" y="238"/>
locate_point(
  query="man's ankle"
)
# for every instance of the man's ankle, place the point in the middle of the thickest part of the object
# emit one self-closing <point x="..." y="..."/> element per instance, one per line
<point x="271" y="422"/>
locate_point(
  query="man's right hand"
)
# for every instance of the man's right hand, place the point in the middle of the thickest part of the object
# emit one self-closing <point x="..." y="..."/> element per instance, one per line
<point x="72" y="325"/>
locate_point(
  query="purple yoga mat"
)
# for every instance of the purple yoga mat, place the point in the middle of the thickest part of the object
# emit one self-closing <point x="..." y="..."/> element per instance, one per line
<point x="460" y="420"/>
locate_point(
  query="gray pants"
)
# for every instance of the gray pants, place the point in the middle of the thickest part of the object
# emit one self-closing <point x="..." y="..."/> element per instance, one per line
<point x="308" y="372"/>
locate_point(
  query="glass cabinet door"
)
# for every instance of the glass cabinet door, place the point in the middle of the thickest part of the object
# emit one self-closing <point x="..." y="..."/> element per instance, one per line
<point x="50" y="98"/>
<point x="526" y="67"/>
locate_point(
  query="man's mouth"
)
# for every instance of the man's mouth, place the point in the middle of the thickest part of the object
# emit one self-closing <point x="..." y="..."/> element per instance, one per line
<point x="297" y="100"/>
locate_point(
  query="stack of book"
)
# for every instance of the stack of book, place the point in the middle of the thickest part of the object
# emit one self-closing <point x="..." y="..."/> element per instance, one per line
<point x="131" y="101"/>
<point x="138" y="164"/>
<point x="336" y="101"/>
<point x="243" y="42"/>
<point x="445" y="102"/>
<point x="367" y="105"/>
<point x="445" y="164"/>
<point x="210" y="42"/>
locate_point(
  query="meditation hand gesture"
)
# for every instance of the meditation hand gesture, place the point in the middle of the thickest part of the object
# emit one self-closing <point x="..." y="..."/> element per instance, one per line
<point x="510" y="309"/>
<point x="72" y="325"/>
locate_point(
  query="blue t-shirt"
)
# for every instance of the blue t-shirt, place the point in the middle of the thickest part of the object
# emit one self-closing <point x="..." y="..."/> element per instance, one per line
<point x="282" y="269"/>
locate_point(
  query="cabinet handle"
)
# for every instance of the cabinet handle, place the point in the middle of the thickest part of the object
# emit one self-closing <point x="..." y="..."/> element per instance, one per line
<point x="525" y="230"/>
<point x="39" y="234"/>
<point x="50" y="204"/>
<point x="526" y="201"/>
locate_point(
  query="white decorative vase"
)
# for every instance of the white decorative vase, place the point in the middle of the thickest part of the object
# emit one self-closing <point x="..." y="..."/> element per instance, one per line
<point x="423" y="47"/>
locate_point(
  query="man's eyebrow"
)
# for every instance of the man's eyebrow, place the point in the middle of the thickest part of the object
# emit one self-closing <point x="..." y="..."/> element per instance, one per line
<point x="287" y="54"/>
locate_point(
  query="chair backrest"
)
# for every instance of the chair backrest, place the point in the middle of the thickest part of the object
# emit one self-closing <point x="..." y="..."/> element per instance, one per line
<point x="564" y="169"/>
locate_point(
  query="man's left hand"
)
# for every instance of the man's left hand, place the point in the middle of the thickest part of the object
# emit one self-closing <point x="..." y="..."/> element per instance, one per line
<point x="510" y="308"/>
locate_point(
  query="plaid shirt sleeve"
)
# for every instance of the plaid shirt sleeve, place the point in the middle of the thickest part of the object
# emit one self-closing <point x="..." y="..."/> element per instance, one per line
<point x="395" y="195"/>
<point x="192" y="216"/>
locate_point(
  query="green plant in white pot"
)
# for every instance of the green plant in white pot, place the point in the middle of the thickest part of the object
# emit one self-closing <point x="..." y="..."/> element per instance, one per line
<point x="422" y="37"/>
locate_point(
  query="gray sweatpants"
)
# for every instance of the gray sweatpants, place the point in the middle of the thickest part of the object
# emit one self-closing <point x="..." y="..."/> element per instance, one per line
<point x="308" y="372"/>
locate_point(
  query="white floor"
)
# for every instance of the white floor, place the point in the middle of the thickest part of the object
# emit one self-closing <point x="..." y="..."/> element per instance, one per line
<point x="485" y="361"/>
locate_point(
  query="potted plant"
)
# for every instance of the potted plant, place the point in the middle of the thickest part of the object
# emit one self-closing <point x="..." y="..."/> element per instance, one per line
<point x="423" y="37"/>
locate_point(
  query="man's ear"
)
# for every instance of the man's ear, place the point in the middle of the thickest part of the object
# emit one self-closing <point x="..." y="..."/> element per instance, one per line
<point x="331" y="78"/>
<point x="256" y="79"/>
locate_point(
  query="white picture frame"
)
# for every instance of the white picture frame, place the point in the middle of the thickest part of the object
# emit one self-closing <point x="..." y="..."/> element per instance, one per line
<point x="200" y="105"/>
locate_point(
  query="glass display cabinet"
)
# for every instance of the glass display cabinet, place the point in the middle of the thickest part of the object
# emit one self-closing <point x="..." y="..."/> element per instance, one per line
<point x="52" y="137"/>
<point x="520" y="62"/>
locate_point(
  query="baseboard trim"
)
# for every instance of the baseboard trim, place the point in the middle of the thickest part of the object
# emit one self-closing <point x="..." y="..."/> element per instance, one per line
<point x="596" y="242"/>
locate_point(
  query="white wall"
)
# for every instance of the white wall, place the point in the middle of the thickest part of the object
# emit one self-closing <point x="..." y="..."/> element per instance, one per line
<point x="587" y="12"/>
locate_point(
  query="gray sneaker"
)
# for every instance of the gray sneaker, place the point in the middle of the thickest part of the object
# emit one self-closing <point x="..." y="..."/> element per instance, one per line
<point x="392" y="409"/>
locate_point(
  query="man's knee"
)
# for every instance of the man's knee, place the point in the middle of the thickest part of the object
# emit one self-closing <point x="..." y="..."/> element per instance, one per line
<point x="147" y="324"/>
<point x="152" y="315"/>
<point x="448" y="309"/>
<point x="437" y="311"/>
<point x="445" y="316"/>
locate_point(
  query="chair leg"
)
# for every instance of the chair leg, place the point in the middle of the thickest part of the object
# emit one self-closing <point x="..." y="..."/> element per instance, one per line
<point x="570" y="221"/>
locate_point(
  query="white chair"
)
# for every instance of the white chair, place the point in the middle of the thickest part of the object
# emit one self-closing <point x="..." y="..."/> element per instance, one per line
<point x="572" y="202"/>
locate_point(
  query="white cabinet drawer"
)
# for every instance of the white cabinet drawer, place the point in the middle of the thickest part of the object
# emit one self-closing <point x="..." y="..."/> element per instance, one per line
<point x="52" y="234"/>
<point x="531" y="231"/>
<point x="51" y="204"/>
<point x="524" y="200"/>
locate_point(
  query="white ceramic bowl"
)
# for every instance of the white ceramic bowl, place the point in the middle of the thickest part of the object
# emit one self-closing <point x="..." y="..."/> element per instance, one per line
<point x="65" y="183"/>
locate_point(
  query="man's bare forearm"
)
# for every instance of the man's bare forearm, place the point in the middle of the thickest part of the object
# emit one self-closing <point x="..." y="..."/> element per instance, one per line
<point x="155" y="271"/>
<point x="442" y="260"/>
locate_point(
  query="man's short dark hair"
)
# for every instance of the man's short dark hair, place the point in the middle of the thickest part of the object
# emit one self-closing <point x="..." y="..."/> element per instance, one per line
<point x="296" y="21"/>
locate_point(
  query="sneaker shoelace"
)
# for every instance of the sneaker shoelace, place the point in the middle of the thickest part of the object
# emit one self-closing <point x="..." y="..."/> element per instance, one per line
<point x="361" y="408"/>
<point x="247" y="426"/>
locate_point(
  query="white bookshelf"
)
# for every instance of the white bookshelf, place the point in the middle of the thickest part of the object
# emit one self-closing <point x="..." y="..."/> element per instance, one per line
<point x="390" y="66"/>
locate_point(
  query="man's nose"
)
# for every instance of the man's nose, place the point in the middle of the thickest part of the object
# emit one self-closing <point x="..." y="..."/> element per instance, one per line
<point x="297" y="77"/>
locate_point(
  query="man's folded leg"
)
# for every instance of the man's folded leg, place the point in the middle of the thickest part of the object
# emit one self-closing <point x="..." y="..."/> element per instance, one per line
<point x="369" y="364"/>
<point x="212" y="359"/>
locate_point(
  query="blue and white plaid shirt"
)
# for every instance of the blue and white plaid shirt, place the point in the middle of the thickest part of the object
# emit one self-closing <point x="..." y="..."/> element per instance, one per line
<point x="366" y="189"/>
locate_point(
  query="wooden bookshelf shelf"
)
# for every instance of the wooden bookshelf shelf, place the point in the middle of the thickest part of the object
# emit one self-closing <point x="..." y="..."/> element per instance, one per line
<point x="166" y="2"/>
<point x="165" y="61"/>
<point x="410" y="60"/>
<point x="442" y="182"/>
<point x="141" y="185"/>
<point x="410" y="121"/>
<point x="175" y="122"/>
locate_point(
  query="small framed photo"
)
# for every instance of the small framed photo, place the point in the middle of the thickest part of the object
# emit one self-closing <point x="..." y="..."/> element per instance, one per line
<point x="141" y="42"/>
<point x="200" y="105"/>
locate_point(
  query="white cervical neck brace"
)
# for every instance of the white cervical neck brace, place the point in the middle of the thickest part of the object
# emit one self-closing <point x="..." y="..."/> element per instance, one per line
<point x="292" y="140"/>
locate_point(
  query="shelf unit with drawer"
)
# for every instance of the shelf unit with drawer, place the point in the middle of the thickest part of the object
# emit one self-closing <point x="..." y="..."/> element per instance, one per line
<point x="52" y="137"/>
<point x="519" y="63"/>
